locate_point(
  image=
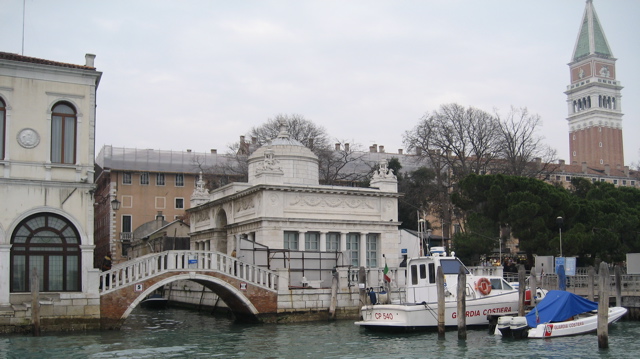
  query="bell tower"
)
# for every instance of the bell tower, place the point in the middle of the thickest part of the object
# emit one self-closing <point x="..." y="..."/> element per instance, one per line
<point x="593" y="98"/>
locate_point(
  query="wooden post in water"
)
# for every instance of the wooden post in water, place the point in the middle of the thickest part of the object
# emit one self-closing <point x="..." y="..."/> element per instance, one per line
<point x="362" y="281"/>
<point x="521" y="289"/>
<point x="440" y="291"/>
<point x="533" y="286"/>
<point x="35" y="303"/>
<point x="462" y="304"/>
<point x="618" y="275"/>
<point x="334" y="296"/>
<point x="603" y="306"/>
<point x="591" y="283"/>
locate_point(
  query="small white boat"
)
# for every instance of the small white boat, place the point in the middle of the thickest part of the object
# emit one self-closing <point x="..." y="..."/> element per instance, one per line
<point x="484" y="296"/>
<point x="559" y="314"/>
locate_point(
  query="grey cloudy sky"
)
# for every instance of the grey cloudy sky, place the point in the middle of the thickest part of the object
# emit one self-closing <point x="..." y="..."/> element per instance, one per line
<point x="198" y="74"/>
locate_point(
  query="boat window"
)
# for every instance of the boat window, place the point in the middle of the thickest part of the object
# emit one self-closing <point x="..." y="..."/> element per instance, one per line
<point x="414" y="274"/>
<point x="432" y="273"/>
<point x="496" y="283"/>
<point x="452" y="266"/>
<point x="423" y="271"/>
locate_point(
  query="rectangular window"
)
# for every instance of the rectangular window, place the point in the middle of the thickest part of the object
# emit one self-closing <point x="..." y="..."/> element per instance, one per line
<point x="179" y="203"/>
<point x="126" y="178"/>
<point x="456" y="228"/>
<point x="615" y="181"/>
<point x="567" y="178"/>
<point x="353" y="245"/>
<point x="159" y="179"/>
<point x="180" y="180"/>
<point x="602" y="180"/>
<point x="144" y="178"/>
<point x="633" y="183"/>
<point x="557" y="178"/>
<point x="291" y="240"/>
<point x="333" y="242"/>
<point x="372" y="250"/>
<point x="126" y="223"/>
<point x="312" y="241"/>
<point x="594" y="180"/>
<point x="414" y="274"/>
<point x="624" y="182"/>
<point x="432" y="273"/>
<point x="63" y="139"/>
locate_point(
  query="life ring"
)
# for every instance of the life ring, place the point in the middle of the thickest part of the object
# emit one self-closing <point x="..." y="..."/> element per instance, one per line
<point x="484" y="286"/>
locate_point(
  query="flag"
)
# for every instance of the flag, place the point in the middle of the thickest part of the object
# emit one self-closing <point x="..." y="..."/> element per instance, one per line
<point x="385" y="272"/>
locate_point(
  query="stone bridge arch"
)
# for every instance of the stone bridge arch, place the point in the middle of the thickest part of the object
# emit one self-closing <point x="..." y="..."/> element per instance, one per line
<point x="248" y="302"/>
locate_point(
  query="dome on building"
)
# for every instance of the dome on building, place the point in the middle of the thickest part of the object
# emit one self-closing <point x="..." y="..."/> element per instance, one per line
<point x="283" y="160"/>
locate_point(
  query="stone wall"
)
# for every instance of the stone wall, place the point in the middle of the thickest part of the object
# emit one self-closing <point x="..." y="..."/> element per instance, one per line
<point x="59" y="312"/>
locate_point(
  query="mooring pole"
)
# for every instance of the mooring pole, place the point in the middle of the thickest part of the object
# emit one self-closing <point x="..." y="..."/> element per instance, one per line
<point x="591" y="283"/>
<point x="440" y="285"/>
<point x="618" y="275"/>
<point x="462" y="304"/>
<point x="603" y="306"/>
<point x="521" y="289"/>
<point x="35" y="303"/>
<point x="533" y="286"/>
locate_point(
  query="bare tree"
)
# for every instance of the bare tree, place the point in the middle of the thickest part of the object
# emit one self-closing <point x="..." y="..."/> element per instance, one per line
<point x="312" y="136"/>
<point x="464" y="140"/>
<point x="522" y="151"/>
<point x="344" y="164"/>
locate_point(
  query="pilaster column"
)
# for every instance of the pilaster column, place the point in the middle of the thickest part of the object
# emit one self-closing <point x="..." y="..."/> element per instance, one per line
<point x="323" y="241"/>
<point x="5" y="270"/>
<point x="301" y="240"/>
<point x="86" y="254"/>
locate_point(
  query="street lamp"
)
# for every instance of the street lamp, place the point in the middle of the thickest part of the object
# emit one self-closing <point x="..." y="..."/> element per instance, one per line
<point x="559" y="221"/>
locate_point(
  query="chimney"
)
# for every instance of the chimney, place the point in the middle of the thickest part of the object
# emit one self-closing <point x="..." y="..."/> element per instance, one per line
<point x="337" y="147"/>
<point x="89" y="60"/>
<point x="584" y="167"/>
<point x="241" y="139"/>
<point x="561" y="163"/>
<point x="311" y="143"/>
<point x="419" y="151"/>
<point x="607" y="169"/>
<point x="188" y="150"/>
<point x="159" y="216"/>
<point x="626" y="171"/>
<point x="381" y="149"/>
<point x="214" y="151"/>
<point x="373" y="148"/>
<point x="538" y="161"/>
<point x="254" y="140"/>
<point x="399" y="151"/>
<point x="346" y="147"/>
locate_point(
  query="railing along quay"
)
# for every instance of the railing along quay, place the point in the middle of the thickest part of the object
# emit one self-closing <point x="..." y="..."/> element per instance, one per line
<point x="154" y="264"/>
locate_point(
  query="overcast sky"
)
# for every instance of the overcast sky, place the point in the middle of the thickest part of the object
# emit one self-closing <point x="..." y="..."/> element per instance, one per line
<point x="196" y="75"/>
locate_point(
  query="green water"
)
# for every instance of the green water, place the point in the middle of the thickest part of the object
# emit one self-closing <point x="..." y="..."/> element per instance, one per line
<point x="178" y="333"/>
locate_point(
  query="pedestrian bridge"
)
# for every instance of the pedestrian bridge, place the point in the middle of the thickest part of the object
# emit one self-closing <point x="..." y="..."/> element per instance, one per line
<point x="248" y="290"/>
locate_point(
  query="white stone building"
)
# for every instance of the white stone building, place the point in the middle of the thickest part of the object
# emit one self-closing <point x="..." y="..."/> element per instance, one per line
<point x="47" y="131"/>
<point x="283" y="217"/>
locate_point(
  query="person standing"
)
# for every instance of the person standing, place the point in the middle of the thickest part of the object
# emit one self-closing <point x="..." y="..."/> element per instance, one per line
<point x="106" y="265"/>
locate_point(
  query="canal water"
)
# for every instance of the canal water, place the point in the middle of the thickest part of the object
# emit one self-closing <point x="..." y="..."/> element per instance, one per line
<point x="179" y="333"/>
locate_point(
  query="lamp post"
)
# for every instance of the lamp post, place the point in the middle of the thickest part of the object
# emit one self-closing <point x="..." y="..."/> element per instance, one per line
<point x="559" y="221"/>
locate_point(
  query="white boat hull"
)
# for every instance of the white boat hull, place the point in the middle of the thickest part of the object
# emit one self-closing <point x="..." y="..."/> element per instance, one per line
<point x="581" y="325"/>
<point x="574" y="327"/>
<point x="425" y="316"/>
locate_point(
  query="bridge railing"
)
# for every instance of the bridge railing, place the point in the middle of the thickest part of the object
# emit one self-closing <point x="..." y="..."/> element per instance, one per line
<point x="151" y="265"/>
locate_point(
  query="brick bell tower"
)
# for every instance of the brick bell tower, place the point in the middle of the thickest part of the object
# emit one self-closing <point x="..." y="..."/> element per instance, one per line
<point x="593" y="98"/>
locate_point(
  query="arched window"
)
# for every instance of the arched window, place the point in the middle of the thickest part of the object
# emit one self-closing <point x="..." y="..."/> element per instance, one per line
<point x="63" y="133"/>
<point x="3" y="128"/>
<point x="51" y="244"/>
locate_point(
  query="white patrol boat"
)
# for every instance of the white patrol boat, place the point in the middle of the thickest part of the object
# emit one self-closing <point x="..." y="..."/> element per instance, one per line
<point x="485" y="296"/>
